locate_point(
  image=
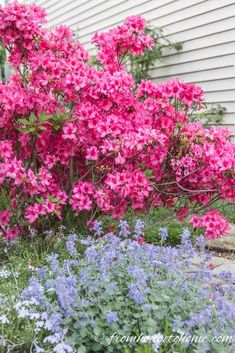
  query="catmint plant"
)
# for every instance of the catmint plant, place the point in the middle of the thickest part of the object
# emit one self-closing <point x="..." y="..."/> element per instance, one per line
<point x="121" y="287"/>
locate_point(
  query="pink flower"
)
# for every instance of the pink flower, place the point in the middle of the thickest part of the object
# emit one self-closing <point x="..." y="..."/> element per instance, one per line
<point x="34" y="211"/>
<point x="49" y="206"/>
<point x="92" y="153"/>
<point x="182" y="213"/>
<point x="5" y="217"/>
<point x="141" y="240"/>
<point x="20" y="25"/>
<point x="31" y="214"/>
<point x="70" y="131"/>
<point x="146" y="151"/>
<point x="6" y="149"/>
<point x="129" y="37"/>
<point x="119" y="159"/>
<point x="11" y="233"/>
<point x="213" y="222"/>
<point x="81" y="197"/>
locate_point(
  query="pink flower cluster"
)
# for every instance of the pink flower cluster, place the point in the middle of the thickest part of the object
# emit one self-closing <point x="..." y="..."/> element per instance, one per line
<point x="81" y="199"/>
<point x="213" y="223"/>
<point x="74" y="136"/>
<point x="117" y="43"/>
<point x="20" y="29"/>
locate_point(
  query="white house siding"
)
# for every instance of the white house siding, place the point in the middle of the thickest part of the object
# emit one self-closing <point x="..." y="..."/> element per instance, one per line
<point x="205" y="27"/>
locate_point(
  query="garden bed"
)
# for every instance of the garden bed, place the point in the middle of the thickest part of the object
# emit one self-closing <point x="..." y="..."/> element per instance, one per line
<point x="43" y="285"/>
<point x="106" y="187"/>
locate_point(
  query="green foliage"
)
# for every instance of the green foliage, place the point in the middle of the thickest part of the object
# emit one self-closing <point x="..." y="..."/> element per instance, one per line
<point x="163" y="217"/>
<point x="140" y="65"/>
<point x="213" y="115"/>
<point x="173" y="298"/>
<point x="34" y="125"/>
<point x="19" y="259"/>
<point x="155" y="219"/>
<point x="226" y="209"/>
<point x="2" y="55"/>
<point x="2" y="60"/>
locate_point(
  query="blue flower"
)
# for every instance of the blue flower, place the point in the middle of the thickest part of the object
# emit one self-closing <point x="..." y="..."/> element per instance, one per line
<point x="201" y="242"/>
<point x="123" y="229"/>
<point x="42" y="273"/>
<point x="136" y="294"/>
<point x="97" y="227"/>
<point x="163" y="234"/>
<point x="117" y="277"/>
<point x="70" y="245"/>
<point x="54" y="323"/>
<point x="66" y="292"/>
<point x="111" y="317"/>
<point x="148" y="307"/>
<point x="187" y="246"/>
<point x="138" y="273"/>
<point x="35" y="290"/>
<point x="227" y="275"/>
<point x="139" y="228"/>
<point x="54" y="262"/>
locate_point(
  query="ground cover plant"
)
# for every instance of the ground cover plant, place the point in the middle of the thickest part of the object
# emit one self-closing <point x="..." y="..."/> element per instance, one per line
<point x="68" y="305"/>
<point x="79" y="140"/>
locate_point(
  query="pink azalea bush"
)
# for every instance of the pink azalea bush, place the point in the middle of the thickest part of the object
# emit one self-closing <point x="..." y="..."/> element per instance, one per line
<point x="212" y="222"/>
<point x="73" y="136"/>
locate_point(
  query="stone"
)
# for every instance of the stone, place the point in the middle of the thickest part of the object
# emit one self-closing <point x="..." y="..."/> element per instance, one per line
<point x="227" y="266"/>
<point x="191" y="269"/>
<point x="196" y="260"/>
<point x="218" y="261"/>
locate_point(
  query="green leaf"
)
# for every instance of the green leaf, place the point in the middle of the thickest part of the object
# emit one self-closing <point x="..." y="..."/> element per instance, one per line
<point x="32" y="117"/>
<point x="24" y="121"/>
<point x="21" y="129"/>
<point x="96" y="330"/>
<point x="149" y="173"/>
<point x="96" y="347"/>
<point x="81" y="349"/>
<point x="27" y="130"/>
<point x="54" y="117"/>
<point x="59" y="113"/>
<point x="142" y="164"/>
<point x="32" y="129"/>
<point x="53" y="199"/>
<point x="40" y="200"/>
<point x="42" y="128"/>
<point x="44" y="117"/>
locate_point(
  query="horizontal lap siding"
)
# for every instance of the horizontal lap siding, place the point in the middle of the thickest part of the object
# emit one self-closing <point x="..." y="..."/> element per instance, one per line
<point x="206" y="28"/>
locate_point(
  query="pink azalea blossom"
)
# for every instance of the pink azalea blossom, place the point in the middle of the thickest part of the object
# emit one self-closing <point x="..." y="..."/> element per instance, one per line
<point x="11" y="233"/>
<point x="99" y="143"/>
<point x="5" y="217"/>
<point x="213" y="223"/>
<point x="92" y="153"/>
